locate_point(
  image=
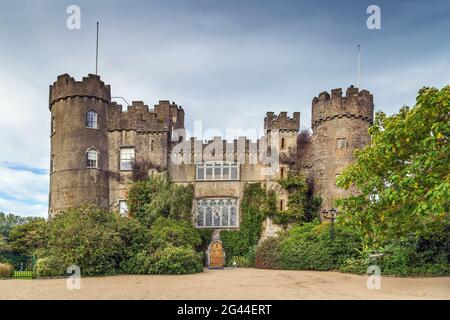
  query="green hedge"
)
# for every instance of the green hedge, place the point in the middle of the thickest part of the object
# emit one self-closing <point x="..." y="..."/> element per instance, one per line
<point x="176" y="260"/>
<point x="309" y="247"/>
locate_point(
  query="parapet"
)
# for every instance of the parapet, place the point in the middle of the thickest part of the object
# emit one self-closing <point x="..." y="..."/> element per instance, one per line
<point x="356" y="104"/>
<point x="91" y="86"/>
<point x="138" y="117"/>
<point x="282" y="121"/>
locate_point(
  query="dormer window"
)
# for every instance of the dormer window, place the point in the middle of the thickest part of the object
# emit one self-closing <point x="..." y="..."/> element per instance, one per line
<point x="92" y="158"/>
<point x="91" y="120"/>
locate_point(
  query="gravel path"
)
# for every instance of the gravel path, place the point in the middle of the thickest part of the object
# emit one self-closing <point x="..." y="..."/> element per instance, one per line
<point x="230" y="284"/>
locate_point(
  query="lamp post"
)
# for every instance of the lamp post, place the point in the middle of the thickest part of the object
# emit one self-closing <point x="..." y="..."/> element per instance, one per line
<point x="331" y="215"/>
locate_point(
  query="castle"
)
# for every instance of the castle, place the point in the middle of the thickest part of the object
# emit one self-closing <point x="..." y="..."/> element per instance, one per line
<point x="95" y="145"/>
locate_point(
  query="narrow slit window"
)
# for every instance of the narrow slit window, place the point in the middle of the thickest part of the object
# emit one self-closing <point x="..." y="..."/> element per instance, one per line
<point x="52" y="163"/>
<point x="283" y="143"/>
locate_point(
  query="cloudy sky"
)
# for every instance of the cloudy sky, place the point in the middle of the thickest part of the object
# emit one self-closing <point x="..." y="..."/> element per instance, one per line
<point x="226" y="62"/>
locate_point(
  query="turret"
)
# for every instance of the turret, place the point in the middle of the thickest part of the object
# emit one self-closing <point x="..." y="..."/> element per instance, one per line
<point x="79" y="143"/>
<point x="281" y="131"/>
<point x="340" y="125"/>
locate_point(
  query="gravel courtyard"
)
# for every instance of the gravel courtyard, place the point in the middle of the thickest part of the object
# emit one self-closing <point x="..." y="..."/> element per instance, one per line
<point x="230" y="283"/>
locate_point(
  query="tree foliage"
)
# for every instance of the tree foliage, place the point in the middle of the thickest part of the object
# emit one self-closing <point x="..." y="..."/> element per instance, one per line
<point x="403" y="175"/>
<point x="149" y="199"/>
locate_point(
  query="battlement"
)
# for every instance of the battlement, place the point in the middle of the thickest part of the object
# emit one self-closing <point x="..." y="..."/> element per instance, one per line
<point x="355" y="104"/>
<point x="163" y="117"/>
<point x="91" y="86"/>
<point x="218" y="149"/>
<point x="282" y="121"/>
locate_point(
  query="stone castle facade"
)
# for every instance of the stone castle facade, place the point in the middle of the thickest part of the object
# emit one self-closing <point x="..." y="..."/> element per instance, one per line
<point x="95" y="146"/>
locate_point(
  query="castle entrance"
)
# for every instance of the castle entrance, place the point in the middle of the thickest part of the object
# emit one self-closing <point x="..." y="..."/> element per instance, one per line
<point x="216" y="255"/>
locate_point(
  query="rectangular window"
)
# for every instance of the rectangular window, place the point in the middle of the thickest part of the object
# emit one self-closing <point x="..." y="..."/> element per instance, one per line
<point x="217" y="171"/>
<point x="91" y="120"/>
<point x="341" y="143"/>
<point x="216" y="213"/>
<point x="123" y="207"/>
<point x="126" y="158"/>
<point x="92" y="159"/>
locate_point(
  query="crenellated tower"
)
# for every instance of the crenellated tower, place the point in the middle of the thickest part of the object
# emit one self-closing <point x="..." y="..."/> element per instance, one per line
<point x="340" y="125"/>
<point x="284" y="130"/>
<point x="79" y="143"/>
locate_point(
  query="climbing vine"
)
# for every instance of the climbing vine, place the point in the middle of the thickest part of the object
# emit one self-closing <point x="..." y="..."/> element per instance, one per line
<point x="302" y="205"/>
<point x="256" y="205"/>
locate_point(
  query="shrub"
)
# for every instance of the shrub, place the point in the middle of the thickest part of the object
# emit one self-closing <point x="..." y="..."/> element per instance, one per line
<point x="50" y="267"/>
<point x="405" y="257"/>
<point x="176" y="260"/>
<point x="268" y="253"/>
<point x="241" y="261"/>
<point x="87" y="237"/>
<point x="165" y="232"/>
<point x="5" y="270"/>
<point x="138" y="263"/>
<point x="309" y="247"/>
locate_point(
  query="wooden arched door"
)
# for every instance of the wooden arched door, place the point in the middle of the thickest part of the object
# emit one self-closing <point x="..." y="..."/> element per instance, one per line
<point x="216" y="255"/>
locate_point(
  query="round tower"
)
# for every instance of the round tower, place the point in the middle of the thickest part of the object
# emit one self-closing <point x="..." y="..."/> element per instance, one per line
<point x="339" y="126"/>
<point x="79" y="143"/>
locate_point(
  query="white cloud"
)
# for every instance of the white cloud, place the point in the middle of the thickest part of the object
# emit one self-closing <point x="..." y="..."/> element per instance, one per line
<point x="23" y="192"/>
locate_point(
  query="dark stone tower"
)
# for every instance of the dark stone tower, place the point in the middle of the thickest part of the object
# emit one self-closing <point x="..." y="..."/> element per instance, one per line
<point x="339" y="126"/>
<point x="72" y="180"/>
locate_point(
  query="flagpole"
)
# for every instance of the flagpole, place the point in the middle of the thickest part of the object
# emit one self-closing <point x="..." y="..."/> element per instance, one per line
<point x="96" y="53"/>
<point x="359" y="65"/>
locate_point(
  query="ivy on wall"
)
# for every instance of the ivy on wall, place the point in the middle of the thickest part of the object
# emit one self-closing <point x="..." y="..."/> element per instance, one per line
<point x="255" y="206"/>
<point x="302" y="205"/>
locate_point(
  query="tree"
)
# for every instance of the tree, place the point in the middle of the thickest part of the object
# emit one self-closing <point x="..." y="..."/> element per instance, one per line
<point x="403" y="175"/>
<point x="25" y="238"/>
<point x="155" y="197"/>
<point x="8" y="221"/>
